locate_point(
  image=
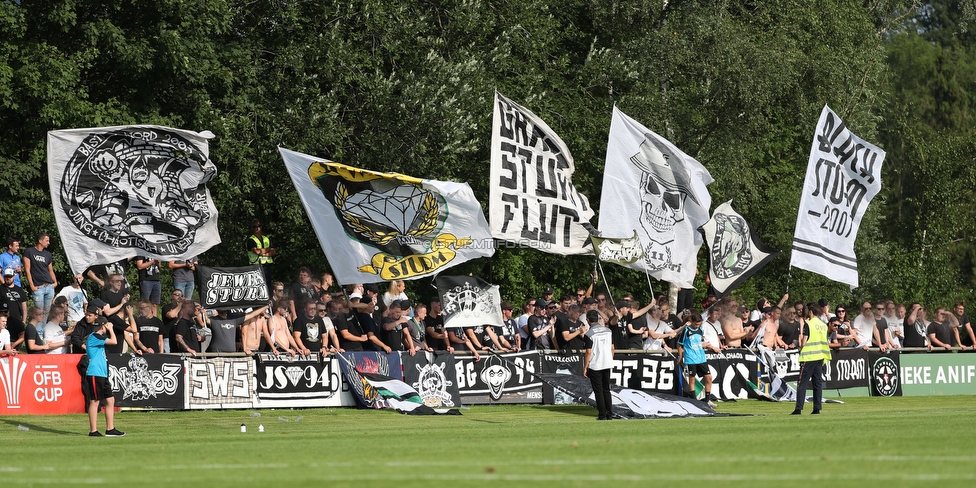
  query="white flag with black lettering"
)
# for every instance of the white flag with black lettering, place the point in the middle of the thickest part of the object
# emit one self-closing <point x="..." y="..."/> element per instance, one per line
<point x="532" y="200"/>
<point x="651" y="182"/>
<point x="843" y="176"/>
<point x="141" y="190"/>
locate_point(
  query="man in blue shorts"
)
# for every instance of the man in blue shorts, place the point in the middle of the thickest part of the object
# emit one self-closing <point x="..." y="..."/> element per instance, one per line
<point x="95" y="384"/>
<point x="692" y="355"/>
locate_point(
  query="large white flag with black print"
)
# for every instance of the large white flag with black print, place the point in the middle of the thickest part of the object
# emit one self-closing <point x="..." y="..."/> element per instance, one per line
<point x="532" y="201"/>
<point x="141" y="190"/>
<point x="469" y="301"/>
<point x="650" y="183"/>
<point x="843" y="176"/>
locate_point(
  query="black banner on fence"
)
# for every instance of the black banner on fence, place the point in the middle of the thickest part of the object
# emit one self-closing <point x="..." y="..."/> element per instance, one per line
<point x="150" y="381"/>
<point x="560" y="363"/>
<point x="734" y="374"/>
<point x="848" y="368"/>
<point x="220" y="383"/>
<point x="493" y="380"/>
<point x="885" y="373"/>
<point x="434" y="377"/>
<point x="297" y="383"/>
<point x="368" y="362"/>
<point x="645" y="372"/>
<point x="227" y="288"/>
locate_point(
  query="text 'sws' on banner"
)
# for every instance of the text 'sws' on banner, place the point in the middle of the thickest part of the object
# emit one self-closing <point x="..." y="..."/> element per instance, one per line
<point x="386" y="226"/>
<point x="219" y="383"/>
<point x="499" y="378"/>
<point x="229" y="288"/>
<point x="434" y="377"/>
<point x="380" y="391"/>
<point x="843" y="176"/>
<point x="469" y="301"/>
<point x="292" y="383"/>
<point x="133" y="190"/>
<point x="532" y="199"/>
<point x="734" y="250"/>
<point x="149" y="381"/>
<point x="650" y="182"/>
<point x="629" y="403"/>
<point x="624" y="251"/>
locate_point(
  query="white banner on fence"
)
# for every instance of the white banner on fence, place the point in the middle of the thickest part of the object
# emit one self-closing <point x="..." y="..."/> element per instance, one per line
<point x="843" y="175"/>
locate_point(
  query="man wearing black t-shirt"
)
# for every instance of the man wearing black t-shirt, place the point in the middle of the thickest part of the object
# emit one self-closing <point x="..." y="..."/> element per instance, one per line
<point x="15" y="300"/>
<point x="309" y="329"/>
<point x="39" y="269"/>
<point x="939" y="334"/>
<point x="572" y="331"/>
<point x="394" y="329"/>
<point x="434" y="323"/>
<point x="351" y="335"/>
<point x="149" y="329"/>
<point x="187" y="339"/>
<point x="964" y="332"/>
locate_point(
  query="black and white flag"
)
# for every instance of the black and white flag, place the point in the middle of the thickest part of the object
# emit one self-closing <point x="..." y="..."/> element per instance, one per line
<point x="843" y="176"/>
<point x="625" y="251"/>
<point x="532" y="200"/>
<point x="132" y="190"/>
<point x="650" y="182"/>
<point x="469" y="301"/>
<point x="227" y="288"/>
<point x="734" y="250"/>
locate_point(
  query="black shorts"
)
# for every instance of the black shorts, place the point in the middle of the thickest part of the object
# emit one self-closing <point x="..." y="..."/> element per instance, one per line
<point x="699" y="370"/>
<point x="96" y="388"/>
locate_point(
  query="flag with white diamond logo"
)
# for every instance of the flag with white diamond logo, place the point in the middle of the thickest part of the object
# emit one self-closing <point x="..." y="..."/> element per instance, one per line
<point x="386" y="226"/>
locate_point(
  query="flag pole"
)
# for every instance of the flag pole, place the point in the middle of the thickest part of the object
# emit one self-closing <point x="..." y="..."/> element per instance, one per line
<point x="649" y="286"/>
<point x="789" y="274"/>
<point x="605" y="282"/>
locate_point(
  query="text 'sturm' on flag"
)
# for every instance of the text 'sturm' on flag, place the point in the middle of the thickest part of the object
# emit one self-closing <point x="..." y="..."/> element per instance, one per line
<point x="469" y="301"/>
<point x="532" y="200"/>
<point x="229" y="288"/>
<point x="650" y="182"/>
<point x="140" y="190"/>
<point x="386" y="226"/>
<point x="843" y="176"/>
<point x="734" y="250"/>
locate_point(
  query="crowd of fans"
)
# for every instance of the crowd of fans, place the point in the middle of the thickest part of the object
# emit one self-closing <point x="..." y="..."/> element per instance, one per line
<point x="313" y="315"/>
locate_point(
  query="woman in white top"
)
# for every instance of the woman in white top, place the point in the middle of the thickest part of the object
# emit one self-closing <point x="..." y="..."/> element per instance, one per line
<point x="394" y="292"/>
<point x="657" y="331"/>
<point x="54" y="335"/>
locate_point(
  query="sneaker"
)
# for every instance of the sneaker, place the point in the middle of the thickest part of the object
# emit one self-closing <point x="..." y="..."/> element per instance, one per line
<point x="795" y="412"/>
<point x="95" y="434"/>
<point x="815" y="412"/>
<point x="114" y="433"/>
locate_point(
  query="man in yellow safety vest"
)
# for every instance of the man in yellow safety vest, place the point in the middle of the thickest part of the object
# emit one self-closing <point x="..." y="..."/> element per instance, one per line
<point x="814" y="352"/>
<point x="260" y="251"/>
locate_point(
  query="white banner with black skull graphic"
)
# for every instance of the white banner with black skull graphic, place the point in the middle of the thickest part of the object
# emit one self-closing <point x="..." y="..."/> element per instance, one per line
<point x="386" y="226"/>
<point x="532" y="200"/>
<point x="734" y="250"/>
<point x="843" y="176"/>
<point x="122" y="191"/>
<point x="650" y="182"/>
<point x="469" y="301"/>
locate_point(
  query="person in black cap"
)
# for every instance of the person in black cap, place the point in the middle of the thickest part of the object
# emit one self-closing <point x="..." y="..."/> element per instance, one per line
<point x="542" y="333"/>
<point x="547" y="294"/>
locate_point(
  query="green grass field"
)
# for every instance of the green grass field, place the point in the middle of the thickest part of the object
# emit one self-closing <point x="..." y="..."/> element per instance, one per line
<point x="866" y="442"/>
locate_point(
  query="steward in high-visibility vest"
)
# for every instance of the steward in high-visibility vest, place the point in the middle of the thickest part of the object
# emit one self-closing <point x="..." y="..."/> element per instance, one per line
<point x="814" y="352"/>
<point x="259" y="251"/>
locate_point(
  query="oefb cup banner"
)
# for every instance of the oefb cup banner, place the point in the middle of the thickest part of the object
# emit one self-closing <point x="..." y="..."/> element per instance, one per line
<point x="504" y="378"/>
<point x="150" y="380"/>
<point x="532" y="200"/>
<point x="377" y="227"/>
<point x="434" y="376"/>
<point x="219" y="383"/>
<point x="559" y="362"/>
<point x="843" y="176"/>
<point x="41" y="384"/>
<point x="133" y="190"/>
<point x="230" y="288"/>
<point x="651" y="373"/>
<point x="285" y="382"/>
<point x="371" y="362"/>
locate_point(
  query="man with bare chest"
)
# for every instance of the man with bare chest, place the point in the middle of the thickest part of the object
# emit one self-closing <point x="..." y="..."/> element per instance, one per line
<point x="728" y="311"/>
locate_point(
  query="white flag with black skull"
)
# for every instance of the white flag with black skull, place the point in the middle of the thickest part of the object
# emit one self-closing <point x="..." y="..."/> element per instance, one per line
<point x="843" y="176"/>
<point x="653" y="184"/>
<point x="387" y="226"/>
<point x="532" y="201"/>
<point x="469" y="301"/>
<point x="133" y="190"/>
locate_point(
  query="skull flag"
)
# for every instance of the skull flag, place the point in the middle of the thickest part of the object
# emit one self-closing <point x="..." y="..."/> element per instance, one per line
<point x="734" y="250"/>
<point x="469" y="301"/>
<point x="386" y="226"/>
<point x="650" y="184"/>
<point x="132" y="190"/>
